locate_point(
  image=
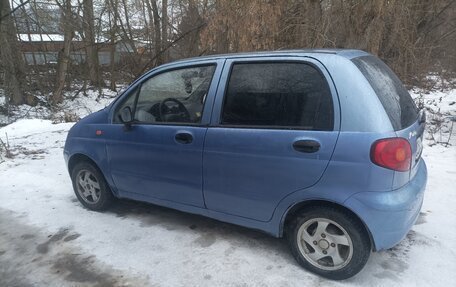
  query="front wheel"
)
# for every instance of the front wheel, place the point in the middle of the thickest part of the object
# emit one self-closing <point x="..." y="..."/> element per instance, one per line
<point x="329" y="242"/>
<point x="90" y="186"/>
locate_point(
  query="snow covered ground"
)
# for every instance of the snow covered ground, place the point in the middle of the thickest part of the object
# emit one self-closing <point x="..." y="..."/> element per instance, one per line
<point x="48" y="239"/>
<point x="75" y="105"/>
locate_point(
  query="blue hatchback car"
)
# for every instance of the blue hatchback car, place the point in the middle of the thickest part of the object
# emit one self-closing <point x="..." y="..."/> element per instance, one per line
<point x="320" y="146"/>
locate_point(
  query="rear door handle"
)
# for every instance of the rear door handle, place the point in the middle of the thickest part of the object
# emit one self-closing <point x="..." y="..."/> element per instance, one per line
<point x="308" y="146"/>
<point x="183" y="138"/>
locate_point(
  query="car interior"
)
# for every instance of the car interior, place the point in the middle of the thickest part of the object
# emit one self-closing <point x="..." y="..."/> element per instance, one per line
<point x="164" y="106"/>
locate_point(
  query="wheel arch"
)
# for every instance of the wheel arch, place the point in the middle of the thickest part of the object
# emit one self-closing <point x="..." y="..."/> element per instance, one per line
<point x="80" y="157"/>
<point x="298" y="207"/>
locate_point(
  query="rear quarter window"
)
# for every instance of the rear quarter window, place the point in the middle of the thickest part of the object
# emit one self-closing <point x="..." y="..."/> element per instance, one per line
<point x="396" y="100"/>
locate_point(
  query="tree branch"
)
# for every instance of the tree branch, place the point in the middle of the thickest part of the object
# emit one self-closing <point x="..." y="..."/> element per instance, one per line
<point x="146" y="66"/>
<point x="14" y="10"/>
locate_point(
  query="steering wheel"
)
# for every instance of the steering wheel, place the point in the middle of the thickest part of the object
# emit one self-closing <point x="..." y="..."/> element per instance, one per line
<point x="182" y="114"/>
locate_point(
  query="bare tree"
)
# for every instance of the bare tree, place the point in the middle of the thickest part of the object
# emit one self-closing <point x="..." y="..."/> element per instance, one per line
<point x="113" y="31"/>
<point x="408" y="35"/>
<point x="413" y="37"/>
<point x="90" y="45"/>
<point x="191" y="18"/>
<point x="157" y="32"/>
<point x="11" y="58"/>
<point x="27" y="24"/>
<point x="164" y="30"/>
<point x="64" y="54"/>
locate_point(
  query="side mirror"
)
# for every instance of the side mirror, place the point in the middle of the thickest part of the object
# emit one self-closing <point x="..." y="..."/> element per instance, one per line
<point x="126" y="115"/>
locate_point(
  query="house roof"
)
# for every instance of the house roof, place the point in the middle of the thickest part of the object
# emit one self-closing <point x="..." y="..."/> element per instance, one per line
<point x="40" y="37"/>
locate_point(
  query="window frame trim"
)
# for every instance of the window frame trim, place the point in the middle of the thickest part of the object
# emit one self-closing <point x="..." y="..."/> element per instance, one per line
<point x="219" y="123"/>
<point x="135" y="87"/>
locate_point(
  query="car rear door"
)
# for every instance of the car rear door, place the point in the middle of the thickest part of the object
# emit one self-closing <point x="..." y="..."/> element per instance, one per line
<point x="274" y="127"/>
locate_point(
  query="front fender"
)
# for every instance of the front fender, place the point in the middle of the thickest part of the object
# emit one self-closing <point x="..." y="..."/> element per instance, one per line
<point x="86" y="138"/>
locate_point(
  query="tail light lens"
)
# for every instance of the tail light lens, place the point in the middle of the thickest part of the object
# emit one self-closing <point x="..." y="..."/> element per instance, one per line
<point x="392" y="153"/>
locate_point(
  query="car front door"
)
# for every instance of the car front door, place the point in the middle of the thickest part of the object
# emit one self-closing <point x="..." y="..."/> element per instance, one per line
<point x="273" y="131"/>
<point x="159" y="154"/>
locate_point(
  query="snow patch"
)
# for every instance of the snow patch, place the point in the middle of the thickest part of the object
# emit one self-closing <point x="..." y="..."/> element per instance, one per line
<point x="76" y="104"/>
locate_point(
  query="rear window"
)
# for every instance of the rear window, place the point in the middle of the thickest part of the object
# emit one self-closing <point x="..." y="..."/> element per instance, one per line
<point x="294" y="95"/>
<point x="396" y="100"/>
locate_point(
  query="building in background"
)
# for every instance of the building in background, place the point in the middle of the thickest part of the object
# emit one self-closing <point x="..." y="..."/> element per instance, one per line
<point x="43" y="49"/>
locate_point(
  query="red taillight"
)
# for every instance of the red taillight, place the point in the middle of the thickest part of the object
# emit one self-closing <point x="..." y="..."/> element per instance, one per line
<point x="392" y="153"/>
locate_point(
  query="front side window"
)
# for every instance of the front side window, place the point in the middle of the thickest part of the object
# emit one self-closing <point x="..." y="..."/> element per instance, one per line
<point x="177" y="96"/>
<point x="278" y="95"/>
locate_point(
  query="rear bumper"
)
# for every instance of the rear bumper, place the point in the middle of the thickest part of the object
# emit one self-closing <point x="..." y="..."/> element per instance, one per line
<point x="390" y="215"/>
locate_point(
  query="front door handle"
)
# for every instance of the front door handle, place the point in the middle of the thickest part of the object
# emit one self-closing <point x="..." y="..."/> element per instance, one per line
<point x="184" y="138"/>
<point x="308" y="146"/>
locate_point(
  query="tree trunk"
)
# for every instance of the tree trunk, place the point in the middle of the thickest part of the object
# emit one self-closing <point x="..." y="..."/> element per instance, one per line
<point x="29" y="32"/>
<point x="12" y="61"/>
<point x="157" y="33"/>
<point x="91" y="48"/>
<point x="128" y="34"/>
<point x="164" y="30"/>
<point x="64" y="55"/>
<point x="221" y="37"/>
<point x="113" y="34"/>
<point x="151" y="26"/>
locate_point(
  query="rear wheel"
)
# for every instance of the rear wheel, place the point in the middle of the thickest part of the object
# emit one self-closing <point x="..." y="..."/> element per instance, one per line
<point x="90" y="186"/>
<point x="329" y="242"/>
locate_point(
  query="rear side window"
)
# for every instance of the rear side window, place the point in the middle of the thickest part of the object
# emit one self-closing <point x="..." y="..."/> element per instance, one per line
<point x="294" y="95"/>
<point x="396" y="100"/>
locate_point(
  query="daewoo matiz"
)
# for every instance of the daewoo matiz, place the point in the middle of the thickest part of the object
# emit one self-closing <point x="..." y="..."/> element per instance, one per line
<point x="320" y="146"/>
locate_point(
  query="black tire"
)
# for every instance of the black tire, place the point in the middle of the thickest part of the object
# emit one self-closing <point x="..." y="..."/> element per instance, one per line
<point x="104" y="193"/>
<point x="354" y="260"/>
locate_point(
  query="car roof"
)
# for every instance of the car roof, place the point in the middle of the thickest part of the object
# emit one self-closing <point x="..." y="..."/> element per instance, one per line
<point x="316" y="53"/>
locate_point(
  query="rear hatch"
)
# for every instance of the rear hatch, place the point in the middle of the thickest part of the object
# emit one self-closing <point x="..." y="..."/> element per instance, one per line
<point x="407" y="121"/>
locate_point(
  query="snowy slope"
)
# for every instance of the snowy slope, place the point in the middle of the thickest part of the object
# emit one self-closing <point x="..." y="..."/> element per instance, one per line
<point x="76" y="104"/>
<point x="47" y="238"/>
